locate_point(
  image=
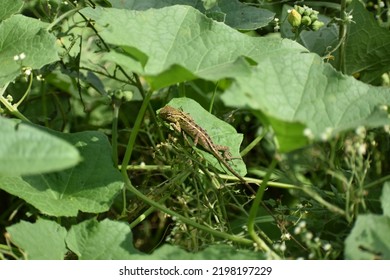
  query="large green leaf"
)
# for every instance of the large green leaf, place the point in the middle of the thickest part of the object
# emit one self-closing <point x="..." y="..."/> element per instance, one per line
<point x="105" y="240"/>
<point x="302" y="89"/>
<point x="10" y="7"/>
<point x="385" y="199"/>
<point x="90" y="186"/>
<point x="367" y="45"/>
<point x="369" y="238"/>
<point x="179" y="43"/>
<point x="26" y="150"/>
<point x="20" y="34"/>
<point x="142" y="5"/>
<point x="243" y="16"/>
<point x="112" y="240"/>
<point x="232" y="12"/>
<point x="44" y="240"/>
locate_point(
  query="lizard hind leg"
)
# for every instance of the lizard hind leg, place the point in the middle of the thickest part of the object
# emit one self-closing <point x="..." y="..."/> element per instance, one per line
<point x="226" y="153"/>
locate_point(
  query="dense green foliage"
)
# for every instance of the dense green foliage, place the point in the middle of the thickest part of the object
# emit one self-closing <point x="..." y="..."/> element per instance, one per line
<point x="299" y="92"/>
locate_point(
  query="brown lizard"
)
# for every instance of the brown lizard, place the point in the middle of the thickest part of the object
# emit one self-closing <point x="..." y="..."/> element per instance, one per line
<point x="181" y="121"/>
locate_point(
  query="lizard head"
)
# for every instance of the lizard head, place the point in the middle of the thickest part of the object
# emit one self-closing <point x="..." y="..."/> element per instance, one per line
<point x="169" y="113"/>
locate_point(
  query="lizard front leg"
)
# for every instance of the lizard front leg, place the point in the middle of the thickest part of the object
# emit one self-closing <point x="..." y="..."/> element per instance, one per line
<point x="176" y="126"/>
<point x="196" y="139"/>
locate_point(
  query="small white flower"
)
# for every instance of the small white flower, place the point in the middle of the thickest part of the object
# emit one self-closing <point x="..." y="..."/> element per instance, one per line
<point x="286" y="236"/>
<point x="22" y="56"/>
<point x="283" y="247"/>
<point x="309" y="235"/>
<point x="297" y="230"/>
<point x="349" y="146"/>
<point x="27" y="71"/>
<point x="326" y="134"/>
<point x="308" y="133"/>
<point x="16" y="57"/>
<point x="361" y="131"/>
<point x="362" y="149"/>
<point x="9" y="98"/>
<point x="327" y="247"/>
<point x="302" y="224"/>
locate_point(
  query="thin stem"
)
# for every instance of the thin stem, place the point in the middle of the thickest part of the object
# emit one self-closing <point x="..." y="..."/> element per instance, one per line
<point x="222" y="176"/>
<point x="185" y="220"/>
<point x="254" y="210"/>
<point x="114" y="140"/>
<point x="134" y="133"/>
<point x="213" y="98"/>
<point x="11" y="108"/>
<point x="377" y="182"/>
<point x="253" y="143"/>
<point x="60" y="18"/>
<point x="27" y="91"/>
<point x="342" y="34"/>
<point x="322" y="201"/>
<point x="148" y="211"/>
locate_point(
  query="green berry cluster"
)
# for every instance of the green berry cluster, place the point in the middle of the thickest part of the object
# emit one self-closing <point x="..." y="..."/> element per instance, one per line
<point x="304" y="17"/>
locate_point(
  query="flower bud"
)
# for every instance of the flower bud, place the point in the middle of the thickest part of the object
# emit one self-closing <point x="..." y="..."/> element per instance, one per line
<point x="316" y="25"/>
<point x="313" y="17"/>
<point x="299" y="9"/>
<point x="306" y="20"/>
<point x="294" y="18"/>
<point x="307" y="12"/>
